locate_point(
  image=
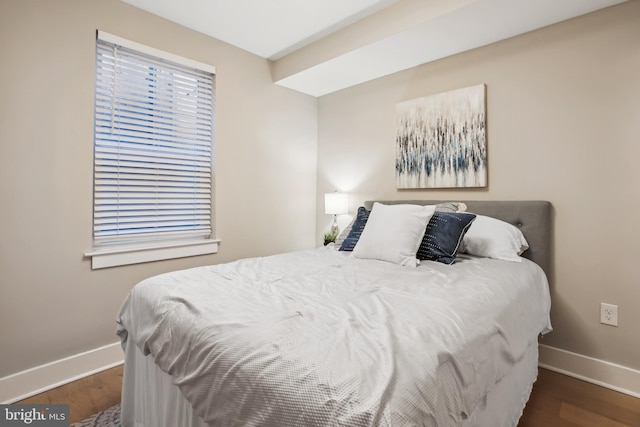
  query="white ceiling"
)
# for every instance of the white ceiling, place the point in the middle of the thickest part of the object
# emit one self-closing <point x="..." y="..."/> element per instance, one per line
<point x="321" y="46"/>
<point x="268" y="28"/>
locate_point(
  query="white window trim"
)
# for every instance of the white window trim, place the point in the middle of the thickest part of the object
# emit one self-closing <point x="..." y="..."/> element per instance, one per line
<point x="102" y="35"/>
<point x="120" y="255"/>
<point x="114" y="257"/>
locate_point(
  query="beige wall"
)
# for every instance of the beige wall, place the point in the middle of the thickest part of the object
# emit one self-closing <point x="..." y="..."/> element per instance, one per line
<point x="563" y="125"/>
<point x="51" y="304"/>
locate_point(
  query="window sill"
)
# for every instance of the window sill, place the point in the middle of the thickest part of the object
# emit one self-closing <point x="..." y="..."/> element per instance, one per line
<point x="114" y="257"/>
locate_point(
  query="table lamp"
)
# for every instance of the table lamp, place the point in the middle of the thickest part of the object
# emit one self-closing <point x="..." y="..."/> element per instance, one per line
<point x="335" y="204"/>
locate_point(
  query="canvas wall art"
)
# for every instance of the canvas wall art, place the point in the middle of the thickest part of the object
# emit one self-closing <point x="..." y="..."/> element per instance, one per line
<point x="441" y="140"/>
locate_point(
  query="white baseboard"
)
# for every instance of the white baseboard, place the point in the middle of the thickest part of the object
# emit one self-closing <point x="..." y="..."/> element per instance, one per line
<point x="596" y="371"/>
<point x="36" y="380"/>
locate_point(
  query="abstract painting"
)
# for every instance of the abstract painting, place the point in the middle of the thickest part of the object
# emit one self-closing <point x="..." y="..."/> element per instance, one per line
<point x="441" y="140"/>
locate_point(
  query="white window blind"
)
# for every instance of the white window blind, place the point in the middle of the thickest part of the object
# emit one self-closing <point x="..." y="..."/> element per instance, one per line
<point x="153" y="147"/>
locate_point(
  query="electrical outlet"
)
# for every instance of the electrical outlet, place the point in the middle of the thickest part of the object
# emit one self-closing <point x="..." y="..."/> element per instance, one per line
<point x="608" y="314"/>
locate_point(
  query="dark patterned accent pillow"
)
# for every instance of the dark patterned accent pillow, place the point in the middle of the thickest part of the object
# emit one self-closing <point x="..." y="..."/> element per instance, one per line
<point x="356" y="229"/>
<point x="443" y="236"/>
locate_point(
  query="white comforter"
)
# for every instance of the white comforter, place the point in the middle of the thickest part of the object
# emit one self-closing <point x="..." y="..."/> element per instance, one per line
<point x="318" y="338"/>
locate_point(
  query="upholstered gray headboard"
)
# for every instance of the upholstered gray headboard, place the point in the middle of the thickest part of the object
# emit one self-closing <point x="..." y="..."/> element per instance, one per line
<point x="533" y="217"/>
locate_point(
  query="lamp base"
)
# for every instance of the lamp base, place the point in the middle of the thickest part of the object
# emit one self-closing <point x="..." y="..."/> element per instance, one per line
<point x="334" y="227"/>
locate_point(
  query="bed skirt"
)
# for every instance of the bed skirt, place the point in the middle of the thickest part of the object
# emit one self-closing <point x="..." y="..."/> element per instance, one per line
<point x="150" y="399"/>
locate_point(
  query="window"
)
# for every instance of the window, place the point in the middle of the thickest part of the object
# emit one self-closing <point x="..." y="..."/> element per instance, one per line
<point x="153" y="154"/>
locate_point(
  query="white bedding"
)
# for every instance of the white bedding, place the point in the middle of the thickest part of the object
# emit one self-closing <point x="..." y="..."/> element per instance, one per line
<point x="318" y="338"/>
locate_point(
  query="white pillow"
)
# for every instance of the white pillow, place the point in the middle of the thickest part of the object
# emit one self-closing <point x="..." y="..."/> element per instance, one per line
<point x="393" y="233"/>
<point x="492" y="238"/>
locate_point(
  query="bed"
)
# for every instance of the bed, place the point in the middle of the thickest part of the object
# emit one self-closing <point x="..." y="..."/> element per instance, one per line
<point x="326" y="338"/>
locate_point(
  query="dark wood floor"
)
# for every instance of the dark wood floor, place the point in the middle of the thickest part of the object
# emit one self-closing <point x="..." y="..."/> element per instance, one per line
<point x="556" y="401"/>
<point x="561" y="401"/>
<point x="86" y="396"/>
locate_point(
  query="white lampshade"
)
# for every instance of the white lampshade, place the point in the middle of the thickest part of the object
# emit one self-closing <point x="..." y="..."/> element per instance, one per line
<point x="336" y="203"/>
